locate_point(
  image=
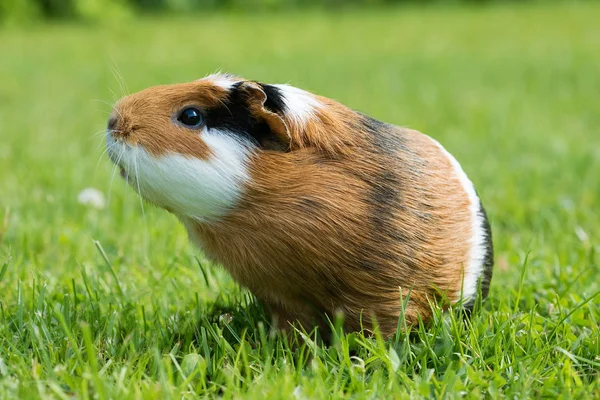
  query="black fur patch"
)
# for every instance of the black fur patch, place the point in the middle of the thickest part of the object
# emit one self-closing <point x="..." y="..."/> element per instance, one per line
<point x="274" y="102"/>
<point x="384" y="198"/>
<point x="386" y="138"/>
<point x="233" y="115"/>
<point x="372" y="125"/>
<point x="488" y="261"/>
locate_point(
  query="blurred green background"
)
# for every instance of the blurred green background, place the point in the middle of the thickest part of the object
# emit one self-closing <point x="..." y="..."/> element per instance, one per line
<point x="104" y="9"/>
<point x="512" y="89"/>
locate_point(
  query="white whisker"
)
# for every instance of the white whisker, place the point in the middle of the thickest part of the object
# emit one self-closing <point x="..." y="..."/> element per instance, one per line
<point x="102" y="132"/>
<point x="103" y="111"/>
<point x="113" y="174"/>
<point x="115" y="97"/>
<point x="104" y="152"/>
<point x="108" y="103"/>
<point x="137" y="181"/>
<point x="120" y="79"/>
<point x="103" y="141"/>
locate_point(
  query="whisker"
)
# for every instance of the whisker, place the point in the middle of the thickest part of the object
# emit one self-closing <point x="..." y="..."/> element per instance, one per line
<point x="102" y="142"/>
<point x="113" y="94"/>
<point x="111" y="105"/>
<point x="104" y="152"/>
<point x="108" y="103"/>
<point x="102" y="132"/>
<point x="103" y="111"/>
<point x="96" y="134"/>
<point x="118" y="113"/>
<point x="112" y="179"/>
<point x="120" y="79"/>
<point x="109" y="196"/>
<point x="137" y="181"/>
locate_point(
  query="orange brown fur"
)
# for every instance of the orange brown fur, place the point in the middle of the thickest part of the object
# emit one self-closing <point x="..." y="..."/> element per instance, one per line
<point x="317" y="201"/>
<point x="337" y="222"/>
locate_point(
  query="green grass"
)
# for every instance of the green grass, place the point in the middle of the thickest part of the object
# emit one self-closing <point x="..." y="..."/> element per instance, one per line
<point x="513" y="92"/>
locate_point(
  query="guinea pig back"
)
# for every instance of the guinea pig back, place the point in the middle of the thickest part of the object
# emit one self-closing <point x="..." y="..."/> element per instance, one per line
<point x="315" y="208"/>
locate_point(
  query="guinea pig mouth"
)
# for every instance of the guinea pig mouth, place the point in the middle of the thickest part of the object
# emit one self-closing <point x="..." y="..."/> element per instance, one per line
<point x="123" y="172"/>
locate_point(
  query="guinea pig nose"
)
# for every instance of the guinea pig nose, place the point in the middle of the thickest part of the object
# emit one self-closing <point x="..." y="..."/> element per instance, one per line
<point x="112" y="123"/>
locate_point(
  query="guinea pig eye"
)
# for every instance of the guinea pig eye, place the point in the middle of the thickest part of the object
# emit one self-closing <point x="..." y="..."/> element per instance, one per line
<point x="190" y="117"/>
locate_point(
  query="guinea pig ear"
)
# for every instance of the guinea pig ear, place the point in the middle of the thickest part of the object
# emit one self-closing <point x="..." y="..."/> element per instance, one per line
<point x="260" y="107"/>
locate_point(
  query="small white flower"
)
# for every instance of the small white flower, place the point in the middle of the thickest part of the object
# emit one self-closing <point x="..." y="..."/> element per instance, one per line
<point x="3" y="369"/>
<point x="298" y="393"/>
<point x="91" y="197"/>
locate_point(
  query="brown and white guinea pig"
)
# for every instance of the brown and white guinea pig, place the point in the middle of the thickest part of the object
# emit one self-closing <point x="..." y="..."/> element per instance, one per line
<point x="314" y="207"/>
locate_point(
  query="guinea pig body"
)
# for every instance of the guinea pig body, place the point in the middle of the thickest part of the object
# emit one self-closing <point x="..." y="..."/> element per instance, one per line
<point x="314" y="207"/>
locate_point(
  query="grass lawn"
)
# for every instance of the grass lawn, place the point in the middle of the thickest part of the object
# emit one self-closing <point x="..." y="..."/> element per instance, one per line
<point x="114" y="304"/>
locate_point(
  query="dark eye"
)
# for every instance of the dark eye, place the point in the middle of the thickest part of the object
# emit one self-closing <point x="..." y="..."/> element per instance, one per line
<point x="190" y="117"/>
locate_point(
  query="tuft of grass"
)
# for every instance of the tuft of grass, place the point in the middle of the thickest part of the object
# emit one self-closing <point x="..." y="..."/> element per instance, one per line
<point x="112" y="304"/>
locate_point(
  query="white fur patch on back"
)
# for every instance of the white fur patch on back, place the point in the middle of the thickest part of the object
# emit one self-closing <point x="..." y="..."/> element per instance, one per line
<point x="194" y="188"/>
<point x="225" y="81"/>
<point x="474" y="267"/>
<point x="301" y="105"/>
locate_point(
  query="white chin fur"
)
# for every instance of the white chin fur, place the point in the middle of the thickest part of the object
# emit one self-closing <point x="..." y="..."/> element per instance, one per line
<point x="194" y="188"/>
<point x="474" y="267"/>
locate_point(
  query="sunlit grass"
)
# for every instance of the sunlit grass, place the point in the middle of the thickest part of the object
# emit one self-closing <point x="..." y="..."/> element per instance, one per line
<point x="105" y="304"/>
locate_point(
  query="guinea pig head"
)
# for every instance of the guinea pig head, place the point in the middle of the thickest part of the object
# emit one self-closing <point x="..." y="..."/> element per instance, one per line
<point x="187" y="147"/>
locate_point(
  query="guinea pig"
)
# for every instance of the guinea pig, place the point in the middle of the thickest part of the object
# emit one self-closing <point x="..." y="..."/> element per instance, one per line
<point x="315" y="208"/>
